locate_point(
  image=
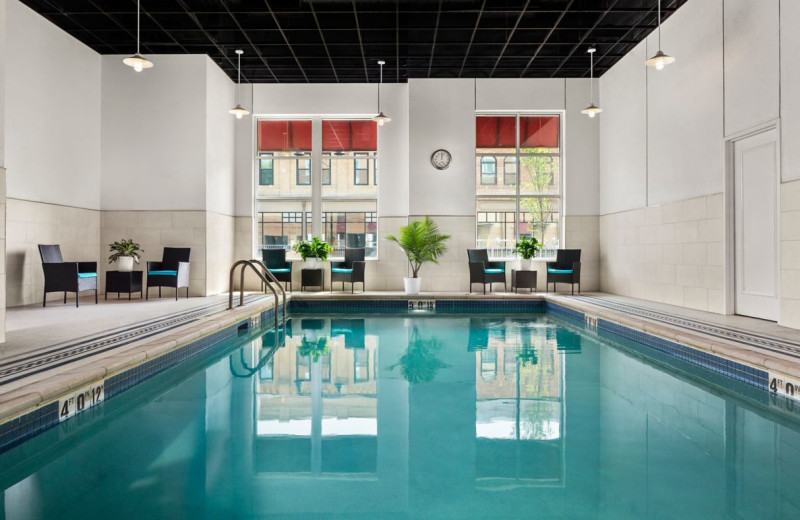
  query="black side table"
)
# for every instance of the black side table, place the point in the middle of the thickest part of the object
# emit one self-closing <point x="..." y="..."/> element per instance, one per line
<point x="120" y="282"/>
<point x="312" y="278"/>
<point x="523" y="280"/>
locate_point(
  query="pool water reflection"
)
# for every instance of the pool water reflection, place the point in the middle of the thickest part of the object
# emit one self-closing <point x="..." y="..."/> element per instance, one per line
<point x="416" y="417"/>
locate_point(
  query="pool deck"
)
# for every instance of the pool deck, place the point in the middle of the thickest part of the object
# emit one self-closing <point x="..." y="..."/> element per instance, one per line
<point x="52" y="351"/>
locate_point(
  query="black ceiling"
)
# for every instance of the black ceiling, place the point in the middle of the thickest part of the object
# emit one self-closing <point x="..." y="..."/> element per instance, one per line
<point x="299" y="41"/>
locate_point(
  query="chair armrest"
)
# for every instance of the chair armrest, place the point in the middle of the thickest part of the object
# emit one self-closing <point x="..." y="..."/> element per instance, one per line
<point x="154" y="266"/>
<point x="62" y="271"/>
<point x="358" y="267"/>
<point x="87" y="267"/>
<point x="476" y="270"/>
<point x="183" y="274"/>
<point x="576" y="270"/>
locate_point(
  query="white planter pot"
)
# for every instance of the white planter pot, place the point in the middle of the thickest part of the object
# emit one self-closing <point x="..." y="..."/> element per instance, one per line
<point x="524" y="265"/>
<point x="411" y="285"/>
<point x="311" y="263"/>
<point x="125" y="264"/>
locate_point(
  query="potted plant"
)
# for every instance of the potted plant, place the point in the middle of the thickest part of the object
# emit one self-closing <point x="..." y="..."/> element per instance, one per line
<point x="313" y="251"/>
<point x="422" y="243"/>
<point x="526" y="248"/>
<point x="420" y="362"/>
<point x="314" y="349"/>
<point x="124" y="252"/>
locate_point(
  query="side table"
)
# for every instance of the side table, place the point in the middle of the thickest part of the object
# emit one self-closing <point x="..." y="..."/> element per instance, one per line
<point x="521" y="279"/>
<point x="120" y="282"/>
<point x="312" y="278"/>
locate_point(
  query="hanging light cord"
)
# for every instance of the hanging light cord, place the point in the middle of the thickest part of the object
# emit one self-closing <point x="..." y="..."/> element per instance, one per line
<point x="591" y="77"/>
<point x="138" y="23"/>
<point x="379" y="90"/>
<point x="659" y="24"/>
<point x="238" y="77"/>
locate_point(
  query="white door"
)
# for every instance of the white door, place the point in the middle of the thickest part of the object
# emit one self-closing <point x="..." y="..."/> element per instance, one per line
<point x="756" y="225"/>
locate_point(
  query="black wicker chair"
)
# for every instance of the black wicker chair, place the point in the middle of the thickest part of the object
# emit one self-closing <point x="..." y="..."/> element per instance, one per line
<point x="171" y="271"/>
<point x="275" y="260"/>
<point x="566" y="269"/>
<point x="481" y="270"/>
<point x="66" y="276"/>
<point x="351" y="270"/>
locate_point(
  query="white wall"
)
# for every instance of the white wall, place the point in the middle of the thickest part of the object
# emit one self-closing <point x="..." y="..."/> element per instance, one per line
<point x="441" y="114"/>
<point x="154" y="134"/>
<point x="790" y="86"/>
<point x="220" y="97"/>
<point x="52" y="112"/>
<point x="2" y="83"/>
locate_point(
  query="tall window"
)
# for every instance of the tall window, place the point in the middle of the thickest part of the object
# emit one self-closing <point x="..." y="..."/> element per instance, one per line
<point x="266" y="170"/>
<point x="488" y="170"/>
<point x="528" y="201"/>
<point x="348" y="206"/>
<point x="303" y="172"/>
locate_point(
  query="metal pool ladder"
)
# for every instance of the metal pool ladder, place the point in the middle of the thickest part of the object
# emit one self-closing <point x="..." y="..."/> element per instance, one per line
<point x="266" y="278"/>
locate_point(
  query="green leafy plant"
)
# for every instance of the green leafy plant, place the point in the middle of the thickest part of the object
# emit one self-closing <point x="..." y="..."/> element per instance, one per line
<point x="527" y="354"/>
<point x="314" y="349"/>
<point x="421" y="242"/>
<point x="124" y="247"/>
<point x="526" y="247"/>
<point x="420" y="363"/>
<point x="315" y="248"/>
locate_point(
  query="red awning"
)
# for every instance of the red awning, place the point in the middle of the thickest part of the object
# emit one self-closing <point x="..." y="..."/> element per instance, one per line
<point x="279" y="136"/>
<point x="358" y="135"/>
<point x="500" y="131"/>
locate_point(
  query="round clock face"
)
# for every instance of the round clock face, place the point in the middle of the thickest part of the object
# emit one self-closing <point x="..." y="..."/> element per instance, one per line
<point x="441" y="159"/>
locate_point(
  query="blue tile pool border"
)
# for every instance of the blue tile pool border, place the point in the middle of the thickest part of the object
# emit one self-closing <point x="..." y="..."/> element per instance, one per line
<point x="31" y="424"/>
<point x="738" y="371"/>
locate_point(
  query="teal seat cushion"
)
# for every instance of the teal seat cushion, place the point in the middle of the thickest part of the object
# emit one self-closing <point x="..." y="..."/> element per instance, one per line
<point x="559" y="271"/>
<point x="494" y="271"/>
<point x="162" y="273"/>
<point x="87" y="275"/>
<point x="341" y="270"/>
<point x="281" y="270"/>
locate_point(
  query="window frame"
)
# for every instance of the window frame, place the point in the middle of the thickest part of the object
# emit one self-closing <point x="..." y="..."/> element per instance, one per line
<point x="298" y="170"/>
<point x="266" y="156"/>
<point x="493" y="174"/>
<point x="365" y="170"/>
<point x="515" y="174"/>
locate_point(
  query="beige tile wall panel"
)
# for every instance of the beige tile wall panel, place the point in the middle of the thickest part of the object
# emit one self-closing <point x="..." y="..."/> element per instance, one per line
<point x="790" y="254"/>
<point x="220" y="248"/>
<point x="29" y="224"/>
<point x="3" y="254"/>
<point x="671" y="253"/>
<point x="154" y="230"/>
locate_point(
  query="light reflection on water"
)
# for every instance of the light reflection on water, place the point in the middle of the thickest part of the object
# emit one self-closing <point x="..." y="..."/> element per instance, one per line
<point x="415" y="417"/>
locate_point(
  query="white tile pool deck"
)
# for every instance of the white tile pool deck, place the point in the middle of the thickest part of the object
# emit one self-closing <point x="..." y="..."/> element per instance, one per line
<point x="35" y="333"/>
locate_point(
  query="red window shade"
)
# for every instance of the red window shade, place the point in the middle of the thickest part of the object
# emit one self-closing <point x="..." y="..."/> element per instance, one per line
<point x="278" y="136"/>
<point x="501" y="132"/>
<point x="538" y="132"/>
<point x="358" y="135"/>
<point x="496" y="132"/>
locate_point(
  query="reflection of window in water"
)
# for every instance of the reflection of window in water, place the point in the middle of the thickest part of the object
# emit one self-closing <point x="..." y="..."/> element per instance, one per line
<point x="266" y="372"/>
<point x="489" y="364"/>
<point x="360" y="365"/>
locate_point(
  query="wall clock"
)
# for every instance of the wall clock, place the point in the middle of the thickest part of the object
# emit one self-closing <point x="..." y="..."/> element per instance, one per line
<point x="440" y="159"/>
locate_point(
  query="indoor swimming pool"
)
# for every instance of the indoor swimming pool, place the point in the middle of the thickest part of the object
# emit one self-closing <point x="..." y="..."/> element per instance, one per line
<point x="418" y="416"/>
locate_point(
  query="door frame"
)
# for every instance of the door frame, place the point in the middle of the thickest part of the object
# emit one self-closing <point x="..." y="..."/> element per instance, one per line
<point x="729" y="214"/>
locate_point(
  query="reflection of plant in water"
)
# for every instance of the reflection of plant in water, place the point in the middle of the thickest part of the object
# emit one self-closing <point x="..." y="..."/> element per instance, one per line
<point x="315" y="349"/>
<point x="527" y="354"/>
<point x="420" y="364"/>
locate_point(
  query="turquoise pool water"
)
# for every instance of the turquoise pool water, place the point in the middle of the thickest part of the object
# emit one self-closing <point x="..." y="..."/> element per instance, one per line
<point x="417" y="417"/>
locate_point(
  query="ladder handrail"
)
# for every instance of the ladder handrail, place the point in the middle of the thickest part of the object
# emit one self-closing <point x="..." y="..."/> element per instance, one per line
<point x="274" y="280"/>
<point x="241" y="286"/>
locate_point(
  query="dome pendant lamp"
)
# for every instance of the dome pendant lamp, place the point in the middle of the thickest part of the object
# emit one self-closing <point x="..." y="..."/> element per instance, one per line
<point x="659" y="59"/>
<point x="238" y="110"/>
<point x="592" y="110"/>
<point x="381" y="118"/>
<point x="137" y="61"/>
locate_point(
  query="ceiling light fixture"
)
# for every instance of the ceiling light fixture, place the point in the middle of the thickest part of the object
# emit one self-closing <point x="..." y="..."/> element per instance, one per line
<point x="592" y="110"/>
<point x="381" y="118"/>
<point x="137" y="61"/>
<point x="659" y="60"/>
<point x="238" y="110"/>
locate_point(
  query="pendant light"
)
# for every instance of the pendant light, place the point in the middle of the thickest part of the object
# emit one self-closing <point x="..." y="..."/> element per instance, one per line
<point x="659" y="59"/>
<point x="591" y="110"/>
<point x="137" y="61"/>
<point x="381" y="118"/>
<point x="238" y="110"/>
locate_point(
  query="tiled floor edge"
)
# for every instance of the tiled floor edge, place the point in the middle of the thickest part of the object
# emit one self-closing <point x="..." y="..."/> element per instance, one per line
<point x="675" y="340"/>
<point x="26" y="412"/>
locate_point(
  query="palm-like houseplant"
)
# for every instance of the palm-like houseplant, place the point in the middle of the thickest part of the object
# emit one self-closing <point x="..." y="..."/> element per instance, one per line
<point x="422" y="242"/>
<point x="124" y="252"/>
